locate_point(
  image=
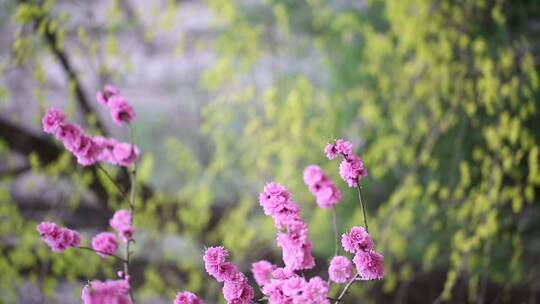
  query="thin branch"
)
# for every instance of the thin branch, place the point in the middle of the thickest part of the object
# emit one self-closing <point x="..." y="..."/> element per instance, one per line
<point x="336" y="232"/>
<point x="345" y="289"/>
<point x="359" y="188"/>
<point x="102" y="252"/>
<point x="122" y="192"/>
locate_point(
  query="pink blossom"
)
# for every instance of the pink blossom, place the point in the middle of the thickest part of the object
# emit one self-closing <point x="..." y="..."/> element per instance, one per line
<point x="106" y="147"/>
<point x="121" y="111"/>
<point x="296" y="290"/>
<point x="358" y="239"/>
<point x="107" y="92"/>
<point x="236" y="288"/>
<point x="262" y="271"/>
<point x="330" y="151"/>
<point x="70" y="134"/>
<point x="53" y="120"/>
<point x="105" y="244"/>
<point x="314" y="292"/>
<point x="326" y="193"/>
<point x="58" y="238"/>
<point x="186" y="297"/>
<point x="343" y="147"/>
<point x="352" y="169"/>
<point x="313" y="174"/>
<point x="125" y="154"/>
<point x="276" y="202"/>
<point x="369" y="264"/>
<point x="340" y="269"/>
<point x="282" y="273"/>
<point x="215" y="256"/>
<point x="121" y="222"/>
<point x="108" y="292"/>
<point x="87" y="152"/>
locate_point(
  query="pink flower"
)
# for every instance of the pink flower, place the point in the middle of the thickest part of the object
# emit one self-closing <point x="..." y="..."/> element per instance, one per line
<point x="326" y="193"/>
<point x="282" y="273"/>
<point x="352" y="169"/>
<point x="262" y="271"/>
<point x="369" y="264"/>
<point x="105" y="243"/>
<point x="276" y="202"/>
<point x="215" y="256"/>
<point x="87" y="152"/>
<point x="107" y="292"/>
<point x="186" y="297"/>
<point x="106" y="147"/>
<point x="330" y="151"/>
<point x="53" y="120"/>
<point x="357" y="240"/>
<point x="121" y="222"/>
<point x="343" y="147"/>
<point x="315" y="292"/>
<point x="58" y="238"/>
<point x="122" y="112"/>
<point x="70" y="134"/>
<point x="125" y="154"/>
<point x="236" y="288"/>
<point x="107" y="92"/>
<point x="313" y="174"/>
<point x="340" y="269"/>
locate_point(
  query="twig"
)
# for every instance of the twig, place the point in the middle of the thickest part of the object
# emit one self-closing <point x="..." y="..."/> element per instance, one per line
<point x="345" y="289"/>
<point x="102" y="252"/>
<point x="359" y="188"/>
<point x="336" y="232"/>
<point x="122" y="192"/>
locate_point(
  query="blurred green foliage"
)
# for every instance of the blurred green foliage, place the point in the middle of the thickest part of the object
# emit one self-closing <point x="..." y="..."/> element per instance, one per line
<point x="440" y="99"/>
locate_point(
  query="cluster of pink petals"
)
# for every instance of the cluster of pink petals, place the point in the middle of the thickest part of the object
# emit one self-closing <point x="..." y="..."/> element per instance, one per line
<point x="235" y="284"/>
<point x="326" y="193"/>
<point x="58" y="238"/>
<point x="276" y="202"/>
<point x="289" y="288"/>
<point x="351" y="168"/>
<point x="121" y="111"/>
<point x="108" y="292"/>
<point x="357" y="239"/>
<point x="122" y="223"/>
<point x="369" y="264"/>
<point x="186" y="297"/>
<point x="262" y="271"/>
<point x="105" y="244"/>
<point x="340" y="269"/>
<point x="87" y="149"/>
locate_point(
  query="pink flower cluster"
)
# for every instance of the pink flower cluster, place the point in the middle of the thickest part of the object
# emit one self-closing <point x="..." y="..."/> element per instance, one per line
<point x="283" y="286"/>
<point x="121" y="111"/>
<point x="105" y="244"/>
<point x="326" y="193"/>
<point x="369" y="264"/>
<point x="276" y="202"/>
<point x="186" y="297"/>
<point x="58" y="238"/>
<point x="108" y="292"/>
<point x="351" y="168"/>
<point x="122" y="223"/>
<point x="87" y="149"/>
<point x="340" y="269"/>
<point x="236" y="288"/>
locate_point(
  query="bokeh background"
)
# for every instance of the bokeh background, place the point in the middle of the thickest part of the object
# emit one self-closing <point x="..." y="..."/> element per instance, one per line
<point x="440" y="98"/>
